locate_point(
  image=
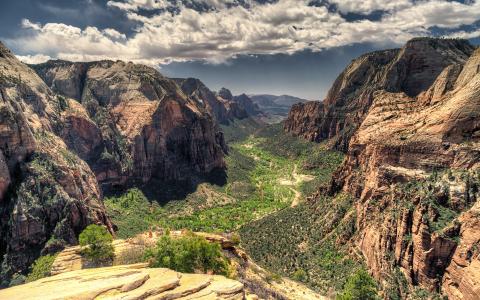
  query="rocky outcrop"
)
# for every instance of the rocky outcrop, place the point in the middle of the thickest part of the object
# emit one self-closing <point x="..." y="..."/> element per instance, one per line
<point x="128" y="282"/>
<point x="242" y="100"/>
<point x="303" y="120"/>
<point x="411" y="70"/>
<point x="223" y="109"/>
<point x="413" y="165"/>
<point x="253" y="277"/>
<point x="135" y="125"/>
<point x="48" y="195"/>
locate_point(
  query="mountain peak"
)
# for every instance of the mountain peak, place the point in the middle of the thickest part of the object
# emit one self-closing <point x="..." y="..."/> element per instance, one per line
<point x="225" y="93"/>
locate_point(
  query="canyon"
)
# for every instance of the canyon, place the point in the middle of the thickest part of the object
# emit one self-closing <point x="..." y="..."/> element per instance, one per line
<point x="381" y="175"/>
<point x="71" y="132"/>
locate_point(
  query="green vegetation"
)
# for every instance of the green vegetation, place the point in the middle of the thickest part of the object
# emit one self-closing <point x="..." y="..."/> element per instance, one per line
<point x="359" y="286"/>
<point x="41" y="268"/>
<point x="97" y="243"/>
<point x="260" y="181"/>
<point x="132" y="213"/>
<point x="188" y="254"/>
<point x="300" y="275"/>
<point x="397" y="287"/>
<point x="311" y="236"/>
<point x="435" y="199"/>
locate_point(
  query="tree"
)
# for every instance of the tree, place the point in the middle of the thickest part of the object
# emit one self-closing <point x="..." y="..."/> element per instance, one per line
<point x="188" y="254"/>
<point x="359" y="286"/>
<point x="300" y="275"/>
<point x="97" y="243"/>
<point x="41" y="268"/>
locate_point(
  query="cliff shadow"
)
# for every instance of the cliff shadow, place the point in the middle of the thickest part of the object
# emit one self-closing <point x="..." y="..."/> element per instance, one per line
<point x="163" y="191"/>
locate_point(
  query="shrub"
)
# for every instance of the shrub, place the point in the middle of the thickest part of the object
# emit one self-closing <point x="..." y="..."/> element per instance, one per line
<point x="359" y="286"/>
<point x="17" y="279"/>
<point x="98" y="244"/>
<point x="131" y="255"/>
<point x="235" y="238"/>
<point x="300" y="275"/>
<point x="41" y="268"/>
<point x="188" y="254"/>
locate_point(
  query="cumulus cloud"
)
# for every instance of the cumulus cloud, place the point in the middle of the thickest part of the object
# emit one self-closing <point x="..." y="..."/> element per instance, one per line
<point x="466" y="34"/>
<point x="34" y="59"/>
<point x="177" y="30"/>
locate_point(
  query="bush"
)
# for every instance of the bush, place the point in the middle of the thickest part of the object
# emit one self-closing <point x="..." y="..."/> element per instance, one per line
<point x="41" y="268"/>
<point x="300" y="275"/>
<point x="359" y="286"/>
<point x="188" y="254"/>
<point x="98" y="245"/>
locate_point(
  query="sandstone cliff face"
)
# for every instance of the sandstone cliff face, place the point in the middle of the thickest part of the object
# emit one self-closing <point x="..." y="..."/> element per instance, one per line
<point x="303" y="120"/>
<point x="413" y="164"/>
<point x="224" y="110"/>
<point x="411" y="70"/>
<point x="135" y="125"/>
<point x="47" y="194"/>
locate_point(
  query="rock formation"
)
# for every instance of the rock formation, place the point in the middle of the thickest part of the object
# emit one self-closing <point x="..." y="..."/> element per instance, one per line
<point x="242" y="100"/>
<point x="66" y="127"/>
<point x="224" y="110"/>
<point x="47" y="193"/>
<point x="409" y="121"/>
<point x="411" y="70"/>
<point x="134" y="125"/>
<point x="127" y="282"/>
<point x="252" y="276"/>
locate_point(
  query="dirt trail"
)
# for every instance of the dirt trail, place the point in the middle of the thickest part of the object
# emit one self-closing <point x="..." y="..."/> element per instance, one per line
<point x="293" y="184"/>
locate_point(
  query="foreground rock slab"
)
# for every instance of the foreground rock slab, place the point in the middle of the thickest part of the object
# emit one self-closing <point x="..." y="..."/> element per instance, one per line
<point x="127" y="282"/>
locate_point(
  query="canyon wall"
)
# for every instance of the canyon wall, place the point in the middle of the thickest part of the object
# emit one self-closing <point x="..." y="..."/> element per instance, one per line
<point x="408" y="121"/>
<point x="133" y="125"/>
<point x="223" y="110"/>
<point x="48" y="195"/>
<point x="71" y="131"/>
<point x="411" y="69"/>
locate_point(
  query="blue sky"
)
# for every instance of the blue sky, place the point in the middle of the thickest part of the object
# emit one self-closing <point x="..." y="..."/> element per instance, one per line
<point x="294" y="47"/>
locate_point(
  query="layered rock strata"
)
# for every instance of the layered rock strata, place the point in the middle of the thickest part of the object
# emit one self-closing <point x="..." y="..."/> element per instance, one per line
<point x="134" y="125"/>
<point x="127" y="282"/>
<point x="48" y="195"/>
<point x="411" y="70"/>
<point x="413" y="164"/>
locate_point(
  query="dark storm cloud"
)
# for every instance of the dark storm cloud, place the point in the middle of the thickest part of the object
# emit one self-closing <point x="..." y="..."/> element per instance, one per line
<point x="79" y="13"/>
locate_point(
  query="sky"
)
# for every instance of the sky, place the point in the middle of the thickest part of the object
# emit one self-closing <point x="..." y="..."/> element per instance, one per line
<point x="295" y="47"/>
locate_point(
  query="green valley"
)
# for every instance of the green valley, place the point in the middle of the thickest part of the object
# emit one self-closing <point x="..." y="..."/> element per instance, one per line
<point x="262" y="178"/>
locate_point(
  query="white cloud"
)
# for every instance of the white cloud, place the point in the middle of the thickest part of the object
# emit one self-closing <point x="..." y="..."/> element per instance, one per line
<point x="285" y="26"/>
<point x="33" y="59"/>
<point x="369" y="6"/>
<point x="466" y="34"/>
<point x="135" y="5"/>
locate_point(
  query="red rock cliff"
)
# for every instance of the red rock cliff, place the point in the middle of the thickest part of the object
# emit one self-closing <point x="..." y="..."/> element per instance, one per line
<point x="411" y="69"/>
<point x="48" y="195"/>
<point x="135" y="125"/>
<point x="413" y="164"/>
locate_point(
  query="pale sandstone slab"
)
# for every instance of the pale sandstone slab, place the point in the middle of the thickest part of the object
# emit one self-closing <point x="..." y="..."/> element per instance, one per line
<point x="130" y="282"/>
